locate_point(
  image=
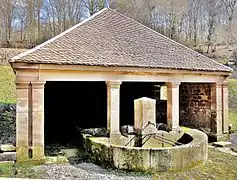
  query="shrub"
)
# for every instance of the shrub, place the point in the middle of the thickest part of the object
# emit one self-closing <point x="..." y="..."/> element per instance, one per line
<point x="7" y="123"/>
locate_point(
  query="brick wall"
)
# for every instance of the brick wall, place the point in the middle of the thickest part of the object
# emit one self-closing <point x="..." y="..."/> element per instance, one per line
<point x="195" y="106"/>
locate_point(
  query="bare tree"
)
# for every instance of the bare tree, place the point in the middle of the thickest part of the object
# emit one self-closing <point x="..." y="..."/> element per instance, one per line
<point x="94" y="6"/>
<point x="6" y="9"/>
<point x="212" y="8"/>
<point x="21" y="17"/>
<point x="31" y="22"/>
<point x="230" y="9"/>
<point x="140" y="10"/>
<point x="193" y="15"/>
<point x="59" y="15"/>
<point x="39" y="4"/>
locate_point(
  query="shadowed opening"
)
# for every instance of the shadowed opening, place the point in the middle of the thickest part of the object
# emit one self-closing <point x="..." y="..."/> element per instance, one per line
<point x="134" y="90"/>
<point x="70" y="106"/>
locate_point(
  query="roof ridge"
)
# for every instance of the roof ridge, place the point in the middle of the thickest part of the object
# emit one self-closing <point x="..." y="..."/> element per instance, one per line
<point x="56" y="37"/>
<point x="172" y="40"/>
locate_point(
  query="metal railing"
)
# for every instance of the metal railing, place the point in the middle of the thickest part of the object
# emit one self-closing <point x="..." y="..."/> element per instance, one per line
<point x="155" y="136"/>
<point x="162" y="139"/>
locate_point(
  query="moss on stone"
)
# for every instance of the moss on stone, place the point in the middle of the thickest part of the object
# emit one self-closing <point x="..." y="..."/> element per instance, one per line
<point x="29" y="163"/>
<point x="38" y="153"/>
<point x="56" y="160"/>
<point x="185" y="129"/>
<point x="22" y="154"/>
<point x="7" y="148"/>
<point x="148" y="159"/>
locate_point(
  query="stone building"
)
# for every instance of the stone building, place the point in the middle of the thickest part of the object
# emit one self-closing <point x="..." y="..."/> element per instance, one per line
<point x="89" y="76"/>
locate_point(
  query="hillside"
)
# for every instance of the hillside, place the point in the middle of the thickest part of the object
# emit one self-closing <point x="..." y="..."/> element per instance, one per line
<point x="7" y="53"/>
<point x="7" y="85"/>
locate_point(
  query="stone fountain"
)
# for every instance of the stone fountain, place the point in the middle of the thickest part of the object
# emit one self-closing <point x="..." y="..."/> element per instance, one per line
<point x="146" y="148"/>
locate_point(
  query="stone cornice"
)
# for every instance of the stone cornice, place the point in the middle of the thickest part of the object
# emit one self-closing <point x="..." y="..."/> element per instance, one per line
<point x="22" y="66"/>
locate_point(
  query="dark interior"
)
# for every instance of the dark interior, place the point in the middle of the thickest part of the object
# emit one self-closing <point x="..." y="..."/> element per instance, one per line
<point x="71" y="106"/>
<point x="130" y="91"/>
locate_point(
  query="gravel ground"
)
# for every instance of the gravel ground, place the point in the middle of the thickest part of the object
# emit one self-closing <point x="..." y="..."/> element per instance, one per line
<point x="85" y="171"/>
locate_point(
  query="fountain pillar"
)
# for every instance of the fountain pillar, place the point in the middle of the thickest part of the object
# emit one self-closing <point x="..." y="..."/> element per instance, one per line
<point x="145" y="115"/>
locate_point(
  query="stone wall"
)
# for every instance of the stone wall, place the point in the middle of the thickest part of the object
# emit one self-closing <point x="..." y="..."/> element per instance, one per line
<point x="195" y="106"/>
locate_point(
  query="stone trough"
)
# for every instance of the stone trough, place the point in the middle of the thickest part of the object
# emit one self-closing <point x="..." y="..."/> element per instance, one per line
<point x="160" y="159"/>
<point x="146" y="148"/>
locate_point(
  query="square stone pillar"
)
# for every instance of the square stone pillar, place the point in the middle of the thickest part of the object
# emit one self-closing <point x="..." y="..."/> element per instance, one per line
<point x="216" y="107"/>
<point x="173" y="105"/>
<point x="145" y="115"/>
<point x="37" y="120"/>
<point x="225" y="118"/>
<point x="113" y="107"/>
<point x="22" y="120"/>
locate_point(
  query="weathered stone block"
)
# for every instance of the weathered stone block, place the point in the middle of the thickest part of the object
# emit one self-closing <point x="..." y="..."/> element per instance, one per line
<point x="145" y="115"/>
<point x="160" y="160"/>
<point x="10" y="163"/>
<point x="8" y="156"/>
<point x="7" y="148"/>
<point x="38" y="153"/>
<point x="22" y="154"/>
<point x="56" y="160"/>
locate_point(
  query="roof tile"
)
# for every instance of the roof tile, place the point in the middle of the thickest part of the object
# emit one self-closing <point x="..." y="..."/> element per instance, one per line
<point x="112" y="39"/>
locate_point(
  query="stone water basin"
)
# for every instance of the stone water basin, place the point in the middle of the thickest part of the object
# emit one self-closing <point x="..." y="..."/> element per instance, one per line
<point x="148" y="159"/>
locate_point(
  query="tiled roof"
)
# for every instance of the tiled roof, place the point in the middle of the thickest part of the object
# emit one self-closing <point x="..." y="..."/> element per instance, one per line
<point x="109" y="38"/>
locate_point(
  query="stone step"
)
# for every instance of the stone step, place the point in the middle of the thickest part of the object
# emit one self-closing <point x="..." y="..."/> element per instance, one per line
<point x="222" y="144"/>
<point x="8" y="156"/>
<point x="7" y="162"/>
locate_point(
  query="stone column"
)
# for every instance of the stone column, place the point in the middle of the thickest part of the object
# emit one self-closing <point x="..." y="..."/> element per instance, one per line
<point x="173" y="105"/>
<point x="113" y="109"/>
<point x="225" y="108"/>
<point x="37" y="120"/>
<point x="22" y="120"/>
<point x="216" y="107"/>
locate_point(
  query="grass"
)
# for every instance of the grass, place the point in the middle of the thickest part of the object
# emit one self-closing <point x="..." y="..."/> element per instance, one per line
<point x="19" y="170"/>
<point x="233" y="103"/>
<point x="218" y="166"/>
<point x="7" y="169"/>
<point x="7" y="85"/>
<point x="233" y="119"/>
